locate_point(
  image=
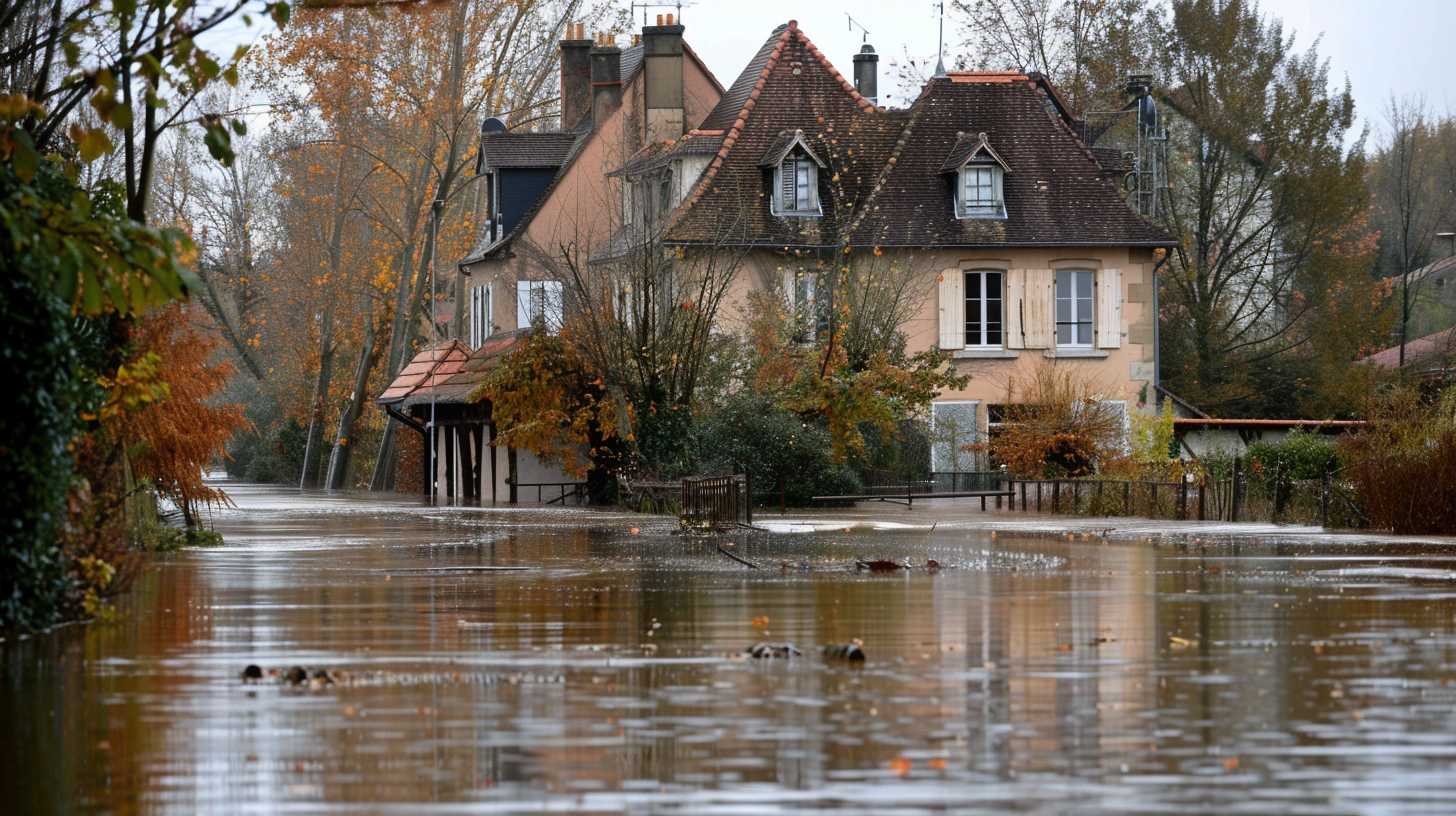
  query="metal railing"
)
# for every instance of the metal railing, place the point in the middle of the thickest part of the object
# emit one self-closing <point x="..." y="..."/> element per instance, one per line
<point x="717" y="501"/>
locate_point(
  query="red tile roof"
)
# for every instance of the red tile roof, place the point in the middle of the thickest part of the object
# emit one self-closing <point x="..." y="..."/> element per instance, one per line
<point x="1432" y="347"/>
<point x="447" y="372"/>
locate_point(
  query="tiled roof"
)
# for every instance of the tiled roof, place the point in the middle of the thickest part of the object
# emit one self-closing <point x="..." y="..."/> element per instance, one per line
<point x="426" y="371"/>
<point x="966" y="146"/>
<point x="887" y="187"/>
<point x="1057" y="194"/>
<point x="457" y="373"/>
<point x="508" y="149"/>
<point x="1431" y="348"/>
<point x="788" y="85"/>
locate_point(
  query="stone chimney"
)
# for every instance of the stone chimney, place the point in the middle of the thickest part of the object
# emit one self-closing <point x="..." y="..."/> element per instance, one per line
<point x="606" y="78"/>
<point x="662" y="54"/>
<point x="576" y="89"/>
<point x="866" y="73"/>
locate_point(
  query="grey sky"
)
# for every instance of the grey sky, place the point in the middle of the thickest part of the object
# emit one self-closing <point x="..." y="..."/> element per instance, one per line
<point x="1391" y="46"/>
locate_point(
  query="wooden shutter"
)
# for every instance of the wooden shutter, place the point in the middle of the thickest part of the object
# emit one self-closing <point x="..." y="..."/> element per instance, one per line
<point x="952" y="309"/>
<point x="1015" y="297"/>
<point x="789" y="283"/>
<point x="1109" y="308"/>
<point x="523" y="304"/>
<point x="1038" y="312"/>
<point x="786" y="185"/>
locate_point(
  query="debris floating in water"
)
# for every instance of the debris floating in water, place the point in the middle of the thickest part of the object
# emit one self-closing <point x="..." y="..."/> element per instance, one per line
<point x="845" y="651"/>
<point x="765" y="649"/>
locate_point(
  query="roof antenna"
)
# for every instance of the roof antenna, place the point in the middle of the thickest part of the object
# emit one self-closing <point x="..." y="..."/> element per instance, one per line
<point x="940" y="49"/>
<point x="853" y="23"/>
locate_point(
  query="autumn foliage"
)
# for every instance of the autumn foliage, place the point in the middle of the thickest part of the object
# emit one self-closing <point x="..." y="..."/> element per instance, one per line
<point x="180" y="435"/>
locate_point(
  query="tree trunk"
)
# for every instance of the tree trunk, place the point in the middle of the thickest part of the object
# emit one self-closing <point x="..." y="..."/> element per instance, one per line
<point x="313" y="448"/>
<point x="343" y="442"/>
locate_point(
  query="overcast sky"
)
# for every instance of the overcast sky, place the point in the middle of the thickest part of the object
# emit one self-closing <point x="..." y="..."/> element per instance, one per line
<point x="1384" y="47"/>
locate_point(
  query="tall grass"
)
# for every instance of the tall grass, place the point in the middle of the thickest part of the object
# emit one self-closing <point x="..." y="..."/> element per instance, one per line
<point x="1403" y="464"/>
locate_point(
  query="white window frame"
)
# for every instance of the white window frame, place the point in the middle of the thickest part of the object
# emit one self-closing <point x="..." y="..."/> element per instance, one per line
<point x="480" y="314"/>
<point x="805" y="174"/>
<point x="539" y="299"/>
<point x="1075" y="309"/>
<point x="977" y="296"/>
<point x="989" y="186"/>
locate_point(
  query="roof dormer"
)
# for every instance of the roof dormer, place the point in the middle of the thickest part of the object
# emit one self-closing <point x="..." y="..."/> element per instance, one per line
<point x="980" y="172"/>
<point x="796" y="175"/>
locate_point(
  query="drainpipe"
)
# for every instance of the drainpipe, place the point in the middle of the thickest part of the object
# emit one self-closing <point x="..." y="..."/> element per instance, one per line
<point x="1157" y="343"/>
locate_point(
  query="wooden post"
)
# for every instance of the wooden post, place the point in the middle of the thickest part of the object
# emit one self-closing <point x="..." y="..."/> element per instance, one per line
<point x="1234" y="496"/>
<point x="1038" y="495"/>
<point x="1057" y="496"/>
<point x="1127" y="498"/>
<point x="1183" y="499"/>
<point x="1202" y="489"/>
<point x="491" y="443"/>
<point x="1325" y="501"/>
<point x="1155" y="498"/>
<point x="511" y="473"/>
<point x="748" y="496"/>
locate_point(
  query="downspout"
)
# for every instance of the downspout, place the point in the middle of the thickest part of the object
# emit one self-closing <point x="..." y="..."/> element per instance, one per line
<point x="1157" y="344"/>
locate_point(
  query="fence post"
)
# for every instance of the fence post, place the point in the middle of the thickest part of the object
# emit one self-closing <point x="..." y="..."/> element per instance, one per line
<point x="1234" y="493"/>
<point x="748" y="496"/>
<point x="1023" y="498"/>
<point x="1127" y="498"/>
<point x="1038" y="495"/>
<point x="1202" y="487"/>
<point x="1155" y="498"/>
<point x="1325" y="500"/>
<point x="1056" y="495"/>
<point x="1183" y="499"/>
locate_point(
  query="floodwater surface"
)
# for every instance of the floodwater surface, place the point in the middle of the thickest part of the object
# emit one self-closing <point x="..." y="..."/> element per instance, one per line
<point x="1035" y="673"/>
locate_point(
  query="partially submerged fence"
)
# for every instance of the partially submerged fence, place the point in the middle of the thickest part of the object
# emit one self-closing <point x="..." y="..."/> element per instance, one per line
<point x="717" y="501"/>
<point x="984" y="485"/>
<point x="1237" y="496"/>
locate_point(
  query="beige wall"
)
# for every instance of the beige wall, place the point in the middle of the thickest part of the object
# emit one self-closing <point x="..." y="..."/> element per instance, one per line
<point x="1118" y="373"/>
<point x="585" y="206"/>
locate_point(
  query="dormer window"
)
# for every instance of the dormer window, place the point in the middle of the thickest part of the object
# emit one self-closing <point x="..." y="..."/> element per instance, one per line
<point x="980" y="190"/>
<point x="795" y="175"/>
<point x="979" y="174"/>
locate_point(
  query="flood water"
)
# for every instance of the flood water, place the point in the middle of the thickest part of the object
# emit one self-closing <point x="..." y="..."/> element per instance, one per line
<point x="1032" y="673"/>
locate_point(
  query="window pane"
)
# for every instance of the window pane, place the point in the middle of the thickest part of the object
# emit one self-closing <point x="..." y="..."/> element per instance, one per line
<point x="1064" y="283"/>
<point x="1064" y="334"/>
<point x="1064" y="310"/>
<point x="1084" y="334"/>
<point x="1084" y="283"/>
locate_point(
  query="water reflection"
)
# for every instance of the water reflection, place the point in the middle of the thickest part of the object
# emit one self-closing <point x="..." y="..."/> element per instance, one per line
<point x="1033" y="673"/>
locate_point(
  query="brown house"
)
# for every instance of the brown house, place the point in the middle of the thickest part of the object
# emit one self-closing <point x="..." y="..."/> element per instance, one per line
<point x="1013" y="241"/>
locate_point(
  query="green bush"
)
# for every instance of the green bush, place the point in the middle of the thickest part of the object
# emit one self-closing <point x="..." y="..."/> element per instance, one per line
<point x="272" y="454"/>
<point x="785" y="455"/>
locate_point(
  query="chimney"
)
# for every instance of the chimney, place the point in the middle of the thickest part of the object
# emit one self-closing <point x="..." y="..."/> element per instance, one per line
<point x="662" y="62"/>
<point x="576" y="92"/>
<point x="866" y="70"/>
<point x="606" y="78"/>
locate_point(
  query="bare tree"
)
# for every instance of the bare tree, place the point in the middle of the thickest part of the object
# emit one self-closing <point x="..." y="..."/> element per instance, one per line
<point x="1412" y="178"/>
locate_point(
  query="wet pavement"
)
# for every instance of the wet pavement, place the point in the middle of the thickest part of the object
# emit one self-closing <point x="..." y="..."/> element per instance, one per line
<point x="1034" y="672"/>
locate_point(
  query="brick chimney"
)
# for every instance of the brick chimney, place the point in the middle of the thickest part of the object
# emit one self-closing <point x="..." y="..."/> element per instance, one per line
<point x="576" y="91"/>
<point x="662" y="54"/>
<point x="866" y="73"/>
<point x="606" y="78"/>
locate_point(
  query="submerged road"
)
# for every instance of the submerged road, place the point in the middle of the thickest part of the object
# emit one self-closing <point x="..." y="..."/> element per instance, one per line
<point x="1032" y="673"/>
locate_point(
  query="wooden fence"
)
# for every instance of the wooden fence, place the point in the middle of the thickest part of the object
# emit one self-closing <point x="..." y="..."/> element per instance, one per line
<point x="717" y="501"/>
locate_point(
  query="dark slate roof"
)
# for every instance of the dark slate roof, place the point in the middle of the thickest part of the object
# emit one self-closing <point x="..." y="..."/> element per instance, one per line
<point x="1058" y="195"/>
<point x="508" y="149"/>
<point x="731" y="103"/>
<point x="779" y="148"/>
<point x="789" y="85"/>
<point x="967" y="145"/>
<point x="483" y="248"/>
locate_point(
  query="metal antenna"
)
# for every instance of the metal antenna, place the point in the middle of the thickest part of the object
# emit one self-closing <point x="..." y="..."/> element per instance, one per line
<point x="853" y="24"/>
<point x="940" y="48"/>
<point x="677" y="5"/>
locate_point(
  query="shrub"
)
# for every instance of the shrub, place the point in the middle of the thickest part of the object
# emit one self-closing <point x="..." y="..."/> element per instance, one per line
<point x="1403" y="463"/>
<point x="785" y="455"/>
<point x="1056" y="426"/>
